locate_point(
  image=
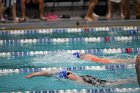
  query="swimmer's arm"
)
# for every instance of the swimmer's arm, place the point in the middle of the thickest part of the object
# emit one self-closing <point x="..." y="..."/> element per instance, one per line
<point x="41" y="73"/>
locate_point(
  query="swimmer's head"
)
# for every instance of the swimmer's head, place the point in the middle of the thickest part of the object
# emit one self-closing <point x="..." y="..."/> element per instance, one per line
<point x="76" y="54"/>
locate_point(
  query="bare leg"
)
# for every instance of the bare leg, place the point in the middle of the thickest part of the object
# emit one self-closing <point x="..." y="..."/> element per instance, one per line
<point x="91" y="6"/>
<point x="121" y="8"/>
<point x="42" y="73"/>
<point x="41" y="6"/>
<point x="23" y="8"/>
<point x="14" y="14"/>
<point x="1" y="6"/>
<point x="2" y="9"/>
<point x="109" y="14"/>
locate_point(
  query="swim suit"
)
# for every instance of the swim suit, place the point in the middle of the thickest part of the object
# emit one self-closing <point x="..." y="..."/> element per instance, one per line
<point x="93" y="81"/>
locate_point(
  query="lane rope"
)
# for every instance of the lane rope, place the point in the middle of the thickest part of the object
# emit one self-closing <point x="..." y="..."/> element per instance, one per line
<point x="69" y="40"/>
<point x="87" y="51"/>
<point x="100" y="90"/>
<point x="98" y="68"/>
<point x="132" y="30"/>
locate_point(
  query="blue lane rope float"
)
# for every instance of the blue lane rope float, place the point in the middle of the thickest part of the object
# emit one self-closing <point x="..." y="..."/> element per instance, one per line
<point x="90" y="51"/>
<point x="132" y="30"/>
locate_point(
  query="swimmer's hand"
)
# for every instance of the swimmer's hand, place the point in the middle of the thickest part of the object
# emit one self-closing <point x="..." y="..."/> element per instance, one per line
<point x="29" y="76"/>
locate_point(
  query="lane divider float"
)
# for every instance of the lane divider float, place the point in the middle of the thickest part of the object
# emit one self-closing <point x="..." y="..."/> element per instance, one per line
<point x="98" y="68"/>
<point x="87" y="51"/>
<point x="69" y="40"/>
<point x="132" y="30"/>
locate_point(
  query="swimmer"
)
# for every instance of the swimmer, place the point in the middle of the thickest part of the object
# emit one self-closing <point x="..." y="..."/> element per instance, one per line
<point x="94" y="58"/>
<point x="86" y="79"/>
<point x="137" y="67"/>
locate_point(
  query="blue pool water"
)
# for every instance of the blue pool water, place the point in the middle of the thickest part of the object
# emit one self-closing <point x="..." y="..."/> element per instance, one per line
<point x="31" y="49"/>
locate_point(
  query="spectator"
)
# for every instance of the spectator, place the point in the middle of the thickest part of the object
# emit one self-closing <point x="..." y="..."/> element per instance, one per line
<point x="23" y="8"/>
<point x="109" y="14"/>
<point x="6" y="4"/>
<point x="127" y="9"/>
<point x="92" y="4"/>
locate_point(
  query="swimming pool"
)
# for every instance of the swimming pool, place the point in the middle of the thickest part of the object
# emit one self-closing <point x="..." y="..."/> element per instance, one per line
<point x="29" y="50"/>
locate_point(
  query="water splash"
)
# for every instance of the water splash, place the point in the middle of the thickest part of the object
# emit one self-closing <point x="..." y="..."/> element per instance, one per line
<point x="54" y="58"/>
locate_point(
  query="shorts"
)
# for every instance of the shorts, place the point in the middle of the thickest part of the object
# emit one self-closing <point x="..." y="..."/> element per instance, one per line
<point x="8" y="3"/>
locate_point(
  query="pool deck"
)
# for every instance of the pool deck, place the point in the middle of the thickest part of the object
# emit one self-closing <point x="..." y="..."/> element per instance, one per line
<point x="72" y="22"/>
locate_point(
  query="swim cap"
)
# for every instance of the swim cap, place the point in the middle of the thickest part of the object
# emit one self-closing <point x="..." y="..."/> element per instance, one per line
<point x="76" y="54"/>
<point x="62" y="74"/>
